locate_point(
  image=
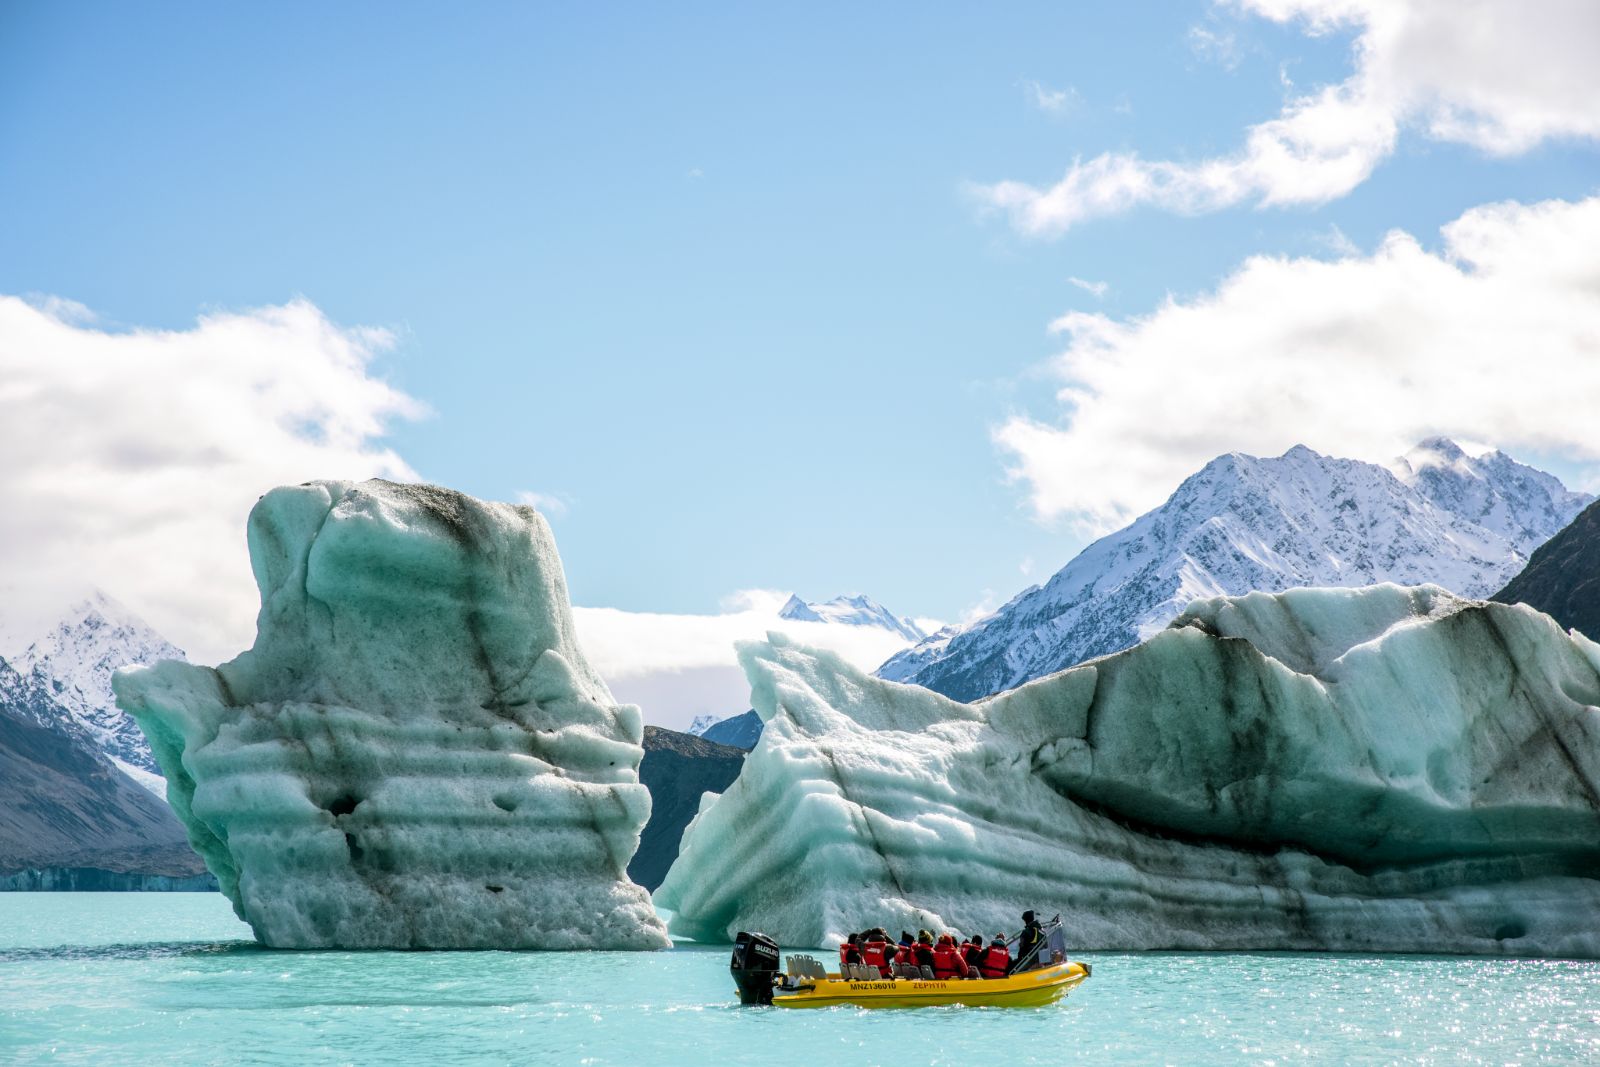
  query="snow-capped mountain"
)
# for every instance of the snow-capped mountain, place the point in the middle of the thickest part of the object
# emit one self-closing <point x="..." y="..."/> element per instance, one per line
<point x="743" y="731"/>
<point x="854" y="610"/>
<point x="1523" y="505"/>
<point x="29" y="696"/>
<point x="1245" y="523"/>
<point x="74" y="661"/>
<point x="69" y="818"/>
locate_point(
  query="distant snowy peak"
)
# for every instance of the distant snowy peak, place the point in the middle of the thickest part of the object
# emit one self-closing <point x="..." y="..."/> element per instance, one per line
<point x="854" y="610"/>
<point x="702" y="723"/>
<point x="76" y="657"/>
<point x="743" y="731"/>
<point x="1522" y="504"/>
<point x="1245" y="523"/>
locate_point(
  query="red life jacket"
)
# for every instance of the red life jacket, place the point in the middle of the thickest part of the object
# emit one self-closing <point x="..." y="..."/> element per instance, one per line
<point x="996" y="961"/>
<point x="872" y="954"/>
<point x="842" y="950"/>
<point x="947" y="963"/>
<point x="905" y="954"/>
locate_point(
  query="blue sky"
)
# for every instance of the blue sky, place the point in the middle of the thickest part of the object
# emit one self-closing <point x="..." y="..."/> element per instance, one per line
<point x="720" y="280"/>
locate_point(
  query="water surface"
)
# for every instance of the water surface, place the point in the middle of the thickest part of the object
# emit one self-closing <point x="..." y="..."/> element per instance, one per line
<point x="174" y="978"/>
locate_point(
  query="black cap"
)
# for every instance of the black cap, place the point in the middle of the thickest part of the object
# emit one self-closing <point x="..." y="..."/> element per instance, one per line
<point x="1027" y="917"/>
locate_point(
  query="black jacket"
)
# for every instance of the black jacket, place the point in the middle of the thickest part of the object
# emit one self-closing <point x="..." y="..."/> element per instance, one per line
<point x="1031" y="938"/>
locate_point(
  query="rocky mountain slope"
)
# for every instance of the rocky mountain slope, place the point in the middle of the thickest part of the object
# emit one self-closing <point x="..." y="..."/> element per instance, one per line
<point x="1243" y="523"/>
<point x="677" y="769"/>
<point x="68" y="817"/>
<point x="1563" y="577"/>
<point x="740" y="731"/>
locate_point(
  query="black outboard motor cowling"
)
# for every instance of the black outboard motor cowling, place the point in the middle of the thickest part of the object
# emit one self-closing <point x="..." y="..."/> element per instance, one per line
<point x="754" y="966"/>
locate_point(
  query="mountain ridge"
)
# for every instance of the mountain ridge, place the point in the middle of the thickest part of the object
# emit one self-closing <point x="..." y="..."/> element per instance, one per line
<point x="1244" y="523"/>
<point x="1562" y="579"/>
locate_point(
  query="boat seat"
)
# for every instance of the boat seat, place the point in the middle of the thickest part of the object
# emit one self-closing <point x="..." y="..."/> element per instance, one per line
<point x="802" y="965"/>
<point x="927" y="973"/>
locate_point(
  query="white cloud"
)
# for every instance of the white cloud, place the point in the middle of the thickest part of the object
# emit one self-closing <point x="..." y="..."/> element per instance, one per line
<point x="679" y="666"/>
<point x="1055" y="101"/>
<point x="1495" y="74"/>
<point x="552" y="505"/>
<point x="1095" y="289"/>
<point x="1494" y="339"/>
<point x="131" y="459"/>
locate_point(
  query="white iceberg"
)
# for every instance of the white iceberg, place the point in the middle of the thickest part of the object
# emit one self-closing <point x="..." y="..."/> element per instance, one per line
<point x="415" y="753"/>
<point x="1383" y="769"/>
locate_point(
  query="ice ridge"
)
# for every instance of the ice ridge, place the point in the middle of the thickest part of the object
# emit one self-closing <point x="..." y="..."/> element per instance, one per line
<point x="1381" y="769"/>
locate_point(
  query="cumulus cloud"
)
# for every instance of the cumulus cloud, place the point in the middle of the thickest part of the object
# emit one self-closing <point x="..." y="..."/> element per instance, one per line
<point x="1494" y="338"/>
<point x="131" y="458"/>
<point x="1498" y="75"/>
<point x="679" y="666"/>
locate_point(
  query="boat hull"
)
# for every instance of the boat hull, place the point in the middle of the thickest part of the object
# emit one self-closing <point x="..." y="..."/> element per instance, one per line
<point x="1029" y="989"/>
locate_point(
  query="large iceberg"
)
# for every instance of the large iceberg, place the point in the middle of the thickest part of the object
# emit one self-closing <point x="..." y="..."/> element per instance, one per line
<point x="415" y="753"/>
<point x="1383" y="769"/>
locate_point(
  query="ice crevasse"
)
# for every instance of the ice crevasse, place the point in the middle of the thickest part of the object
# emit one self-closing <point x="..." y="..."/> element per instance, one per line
<point x="1381" y="769"/>
<point x="414" y="754"/>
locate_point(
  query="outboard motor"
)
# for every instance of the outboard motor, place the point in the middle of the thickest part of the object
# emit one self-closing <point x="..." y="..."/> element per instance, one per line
<point x="754" y="966"/>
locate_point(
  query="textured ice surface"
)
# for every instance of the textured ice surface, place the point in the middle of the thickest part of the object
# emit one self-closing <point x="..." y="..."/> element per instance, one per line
<point x="1377" y="769"/>
<point x="414" y="754"/>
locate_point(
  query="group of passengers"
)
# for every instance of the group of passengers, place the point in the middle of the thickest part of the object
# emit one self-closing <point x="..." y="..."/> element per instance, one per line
<point x="946" y="956"/>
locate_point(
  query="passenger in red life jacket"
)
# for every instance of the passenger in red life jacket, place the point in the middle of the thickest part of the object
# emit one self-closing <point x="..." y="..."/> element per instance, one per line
<point x="947" y="962"/>
<point x="996" y="959"/>
<point x="972" y="952"/>
<point x="875" y="953"/>
<point x="850" y="951"/>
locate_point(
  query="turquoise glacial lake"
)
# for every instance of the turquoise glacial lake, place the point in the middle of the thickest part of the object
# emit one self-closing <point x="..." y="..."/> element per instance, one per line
<point x="173" y="978"/>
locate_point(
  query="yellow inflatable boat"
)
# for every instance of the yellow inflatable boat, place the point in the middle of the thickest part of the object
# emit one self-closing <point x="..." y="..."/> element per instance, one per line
<point x="807" y="985"/>
<point x="1028" y="989"/>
